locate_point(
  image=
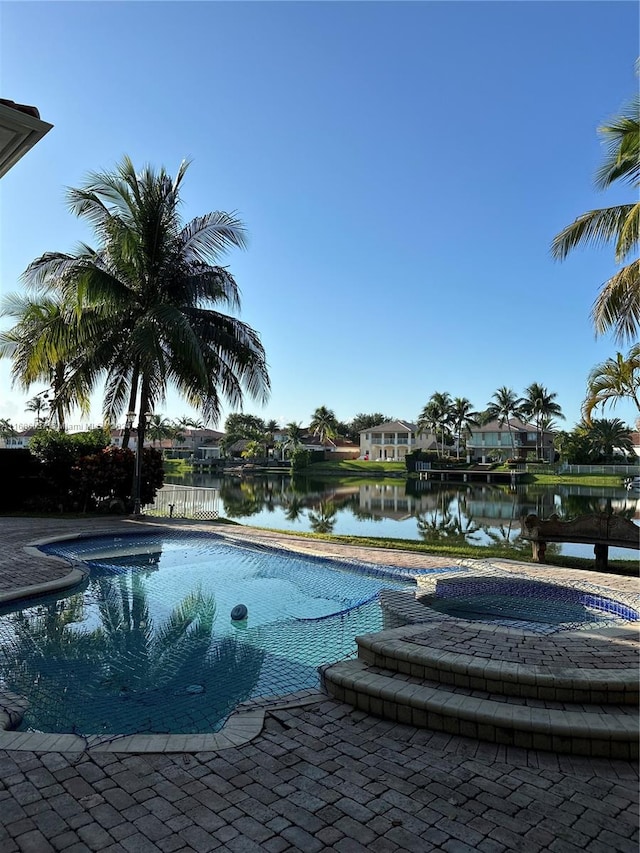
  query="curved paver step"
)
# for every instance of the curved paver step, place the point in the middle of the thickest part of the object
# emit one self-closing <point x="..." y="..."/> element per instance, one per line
<point x="613" y="734"/>
<point x="418" y="651"/>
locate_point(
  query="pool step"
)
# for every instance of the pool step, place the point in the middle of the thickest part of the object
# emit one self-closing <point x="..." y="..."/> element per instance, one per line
<point x="610" y="732"/>
<point x="394" y="651"/>
<point x="572" y="691"/>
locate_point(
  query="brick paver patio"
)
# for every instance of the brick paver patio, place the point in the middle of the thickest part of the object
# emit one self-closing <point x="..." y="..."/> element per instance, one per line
<point x="320" y="777"/>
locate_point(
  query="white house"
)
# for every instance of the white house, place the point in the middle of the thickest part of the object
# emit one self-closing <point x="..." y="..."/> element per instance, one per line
<point x="392" y="441"/>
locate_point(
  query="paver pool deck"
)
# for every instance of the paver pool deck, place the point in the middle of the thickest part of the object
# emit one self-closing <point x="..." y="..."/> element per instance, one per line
<point x="307" y="773"/>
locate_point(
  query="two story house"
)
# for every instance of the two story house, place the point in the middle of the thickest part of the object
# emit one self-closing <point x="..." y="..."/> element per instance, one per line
<point x="392" y="441"/>
<point x="496" y="441"/>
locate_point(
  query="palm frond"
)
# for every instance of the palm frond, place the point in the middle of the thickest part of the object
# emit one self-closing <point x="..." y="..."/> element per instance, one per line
<point x="617" y="306"/>
<point x="598" y="227"/>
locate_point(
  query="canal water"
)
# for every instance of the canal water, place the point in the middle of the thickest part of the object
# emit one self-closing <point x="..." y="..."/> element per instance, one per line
<point x="428" y="511"/>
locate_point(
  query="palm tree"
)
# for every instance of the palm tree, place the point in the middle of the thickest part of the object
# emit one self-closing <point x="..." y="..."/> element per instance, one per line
<point x="539" y="404"/>
<point x="157" y="286"/>
<point x="441" y="401"/>
<point x="617" y="306"/>
<point x="186" y="422"/>
<point x="7" y="430"/>
<point x="294" y="435"/>
<point x="428" y="421"/>
<point x="270" y="428"/>
<point x="462" y="417"/>
<point x="38" y="405"/>
<point x="43" y="345"/>
<point x="159" y="428"/>
<point x="615" y="379"/>
<point x="606" y="436"/>
<point x="506" y="405"/>
<point x="323" y="423"/>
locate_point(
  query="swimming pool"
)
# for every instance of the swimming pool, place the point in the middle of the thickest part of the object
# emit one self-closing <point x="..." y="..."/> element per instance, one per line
<point x="537" y="605"/>
<point x="147" y="644"/>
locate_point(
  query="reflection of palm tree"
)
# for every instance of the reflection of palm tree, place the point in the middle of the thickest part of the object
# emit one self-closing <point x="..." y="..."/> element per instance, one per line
<point x="124" y="674"/>
<point x="438" y="526"/>
<point x="323" y="517"/>
<point x="294" y="508"/>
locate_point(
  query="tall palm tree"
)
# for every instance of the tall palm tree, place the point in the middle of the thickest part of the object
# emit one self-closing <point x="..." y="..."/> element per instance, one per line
<point x="506" y="405"/>
<point x="539" y="404"/>
<point x="617" y="306"/>
<point x="615" y="379"/>
<point x="158" y="287"/>
<point x="323" y="423"/>
<point x="462" y="417"/>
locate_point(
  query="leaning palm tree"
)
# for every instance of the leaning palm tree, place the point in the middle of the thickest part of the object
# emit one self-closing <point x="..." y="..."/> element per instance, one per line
<point x="506" y="405"/>
<point x="617" y="306"/>
<point x="615" y="379"/>
<point x="159" y="287"/>
<point x="323" y="423"/>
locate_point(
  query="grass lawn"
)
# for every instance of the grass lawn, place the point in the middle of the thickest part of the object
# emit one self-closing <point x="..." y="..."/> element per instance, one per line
<point x="359" y="466"/>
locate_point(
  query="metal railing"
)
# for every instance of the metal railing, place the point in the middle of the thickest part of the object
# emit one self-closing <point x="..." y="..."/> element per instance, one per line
<point x="185" y="502"/>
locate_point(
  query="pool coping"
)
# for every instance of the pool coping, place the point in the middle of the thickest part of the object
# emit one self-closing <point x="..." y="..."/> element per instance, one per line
<point x="242" y="726"/>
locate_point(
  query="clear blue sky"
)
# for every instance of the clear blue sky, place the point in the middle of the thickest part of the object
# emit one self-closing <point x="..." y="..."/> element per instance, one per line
<point x="401" y="169"/>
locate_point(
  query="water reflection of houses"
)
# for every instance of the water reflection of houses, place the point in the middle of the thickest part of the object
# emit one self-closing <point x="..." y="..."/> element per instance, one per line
<point x="394" y="501"/>
<point x="491" y="506"/>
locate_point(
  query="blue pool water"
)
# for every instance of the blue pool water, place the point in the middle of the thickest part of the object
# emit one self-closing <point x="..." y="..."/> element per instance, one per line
<point x="523" y="602"/>
<point x="148" y="643"/>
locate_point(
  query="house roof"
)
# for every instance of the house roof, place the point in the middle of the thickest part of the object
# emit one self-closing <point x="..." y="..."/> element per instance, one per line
<point x="392" y="426"/>
<point x="497" y="426"/>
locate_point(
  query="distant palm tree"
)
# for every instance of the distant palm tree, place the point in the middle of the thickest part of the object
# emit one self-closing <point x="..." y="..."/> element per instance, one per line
<point x="615" y="379"/>
<point x="38" y="405"/>
<point x="428" y="421"/>
<point x="606" y="436"/>
<point x="159" y="428"/>
<point x="506" y="405"/>
<point x="617" y="306"/>
<point x="442" y="403"/>
<point x="270" y="428"/>
<point x="462" y="417"/>
<point x="293" y="439"/>
<point x="323" y="423"/>
<point x="187" y="422"/>
<point x="539" y="404"/>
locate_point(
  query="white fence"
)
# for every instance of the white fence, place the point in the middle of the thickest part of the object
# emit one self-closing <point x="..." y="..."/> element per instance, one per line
<point x="622" y="470"/>
<point x="185" y="502"/>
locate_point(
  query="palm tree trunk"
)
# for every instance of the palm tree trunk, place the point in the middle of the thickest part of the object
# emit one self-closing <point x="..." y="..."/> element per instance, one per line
<point x="142" y="423"/>
<point x="132" y="406"/>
